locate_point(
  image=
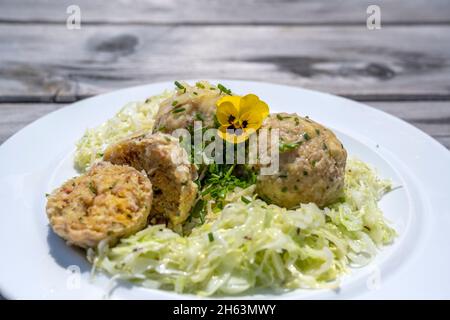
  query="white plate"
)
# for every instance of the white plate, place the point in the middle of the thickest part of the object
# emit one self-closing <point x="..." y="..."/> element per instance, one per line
<point x="34" y="263"/>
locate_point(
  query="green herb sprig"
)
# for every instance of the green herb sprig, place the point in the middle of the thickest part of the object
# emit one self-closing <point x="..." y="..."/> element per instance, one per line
<point x="217" y="182"/>
<point x="180" y="86"/>
<point x="289" y="146"/>
<point x="224" y="89"/>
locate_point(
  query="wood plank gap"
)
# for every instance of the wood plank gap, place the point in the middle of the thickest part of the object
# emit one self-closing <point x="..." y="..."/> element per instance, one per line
<point x="225" y="24"/>
<point x="361" y="98"/>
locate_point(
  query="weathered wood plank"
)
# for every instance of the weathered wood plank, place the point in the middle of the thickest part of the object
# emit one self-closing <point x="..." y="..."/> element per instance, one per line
<point x="227" y="12"/>
<point x="14" y="117"/>
<point x="48" y="62"/>
<point x="431" y="117"/>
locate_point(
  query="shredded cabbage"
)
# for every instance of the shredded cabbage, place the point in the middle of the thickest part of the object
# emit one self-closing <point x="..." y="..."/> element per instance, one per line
<point x="133" y="117"/>
<point x="250" y="244"/>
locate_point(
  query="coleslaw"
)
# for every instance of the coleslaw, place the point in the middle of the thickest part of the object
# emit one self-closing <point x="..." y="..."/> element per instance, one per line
<point x="250" y="244"/>
<point x="132" y="118"/>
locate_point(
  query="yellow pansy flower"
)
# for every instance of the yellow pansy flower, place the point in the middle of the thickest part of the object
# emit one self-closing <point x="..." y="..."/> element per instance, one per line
<point x="239" y="117"/>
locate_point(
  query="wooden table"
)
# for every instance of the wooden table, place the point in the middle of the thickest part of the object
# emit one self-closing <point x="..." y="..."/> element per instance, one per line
<point x="403" y="68"/>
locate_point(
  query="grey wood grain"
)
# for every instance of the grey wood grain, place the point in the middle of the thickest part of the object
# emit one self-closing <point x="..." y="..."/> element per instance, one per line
<point x="431" y="117"/>
<point x="14" y="117"/>
<point x="227" y="12"/>
<point x="50" y="63"/>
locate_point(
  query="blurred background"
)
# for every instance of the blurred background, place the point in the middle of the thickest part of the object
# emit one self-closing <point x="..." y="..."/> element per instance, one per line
<point x="394" y="56"/>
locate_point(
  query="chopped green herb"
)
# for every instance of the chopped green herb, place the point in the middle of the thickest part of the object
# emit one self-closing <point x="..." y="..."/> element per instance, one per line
<point x="220" y="179"/>
<point x="179" y="86"/>
<point x="283" y="147"/>
<point x="178" y="110"/>
<point x="313" y="163"/>
<point x="210" y="237"/>
<point x="174" y="103"/>
<point x="305" y="173"/>
<point x="216" y="181"/>
<point x="245" y="200"/>
<point x="195" y="93"/>
<point x="306" y="136"/>
<point x="92" y="188"/>
<point x="318" y="132"/>
<point x="324" y="146"/>
<point x="199" y="116"/>
<point x="47" y="195"/>
<point x="266" y="199"/>
<point x="200" y="85"/>
<point x="280" y="117"/>
<point x="223" y="89"/>
<point x="199" y="210"/>
<point x="216" y="122"/>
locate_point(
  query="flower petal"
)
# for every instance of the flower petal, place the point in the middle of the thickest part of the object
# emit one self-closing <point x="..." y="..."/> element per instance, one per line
<point x="253" y="119"/>
<point x="224" y="111"/>
<point x="241" y="138"/>
<point x="263" y="108"/>
<point x="235" y="111"/>
<point x="247" y="103"/>
<point x="251" y="103"/>
<point x="253" y="127"/>
<point x="231" y="136"/>
<point x="234" y="100"/>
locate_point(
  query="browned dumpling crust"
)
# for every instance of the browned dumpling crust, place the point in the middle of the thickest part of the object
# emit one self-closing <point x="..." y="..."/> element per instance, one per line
<point x="311" y="166"/>
<point x="185" y="107"/>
